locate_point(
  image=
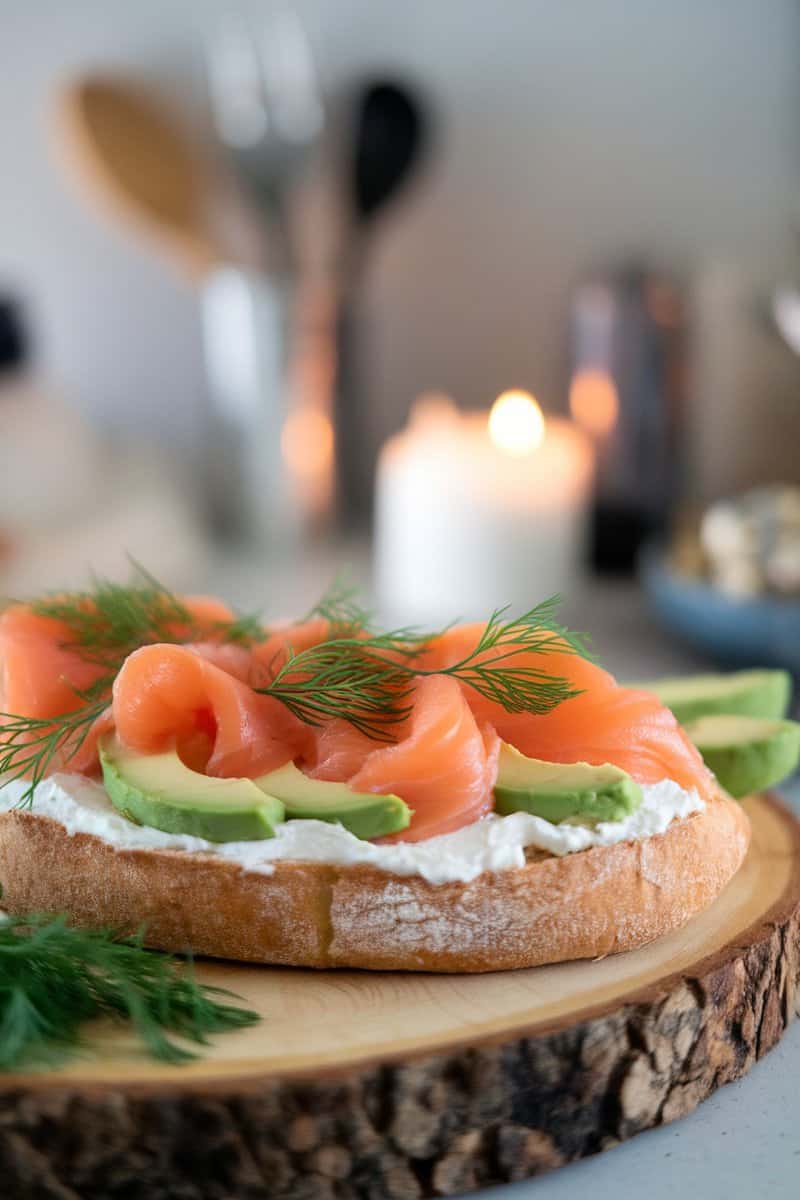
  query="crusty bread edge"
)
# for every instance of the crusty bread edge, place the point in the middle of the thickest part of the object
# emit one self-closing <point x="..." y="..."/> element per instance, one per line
<point x="596" y="902"/>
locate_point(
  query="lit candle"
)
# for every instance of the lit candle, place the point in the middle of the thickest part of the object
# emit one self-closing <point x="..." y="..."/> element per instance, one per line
<point x="475" y="510"/>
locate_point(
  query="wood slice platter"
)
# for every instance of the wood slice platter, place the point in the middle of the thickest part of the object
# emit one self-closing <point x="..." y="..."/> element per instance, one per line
<point x="395" y="1087"/>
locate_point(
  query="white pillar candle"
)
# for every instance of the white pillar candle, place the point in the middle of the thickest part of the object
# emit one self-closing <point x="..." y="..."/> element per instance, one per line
<point x="478" y="510"/>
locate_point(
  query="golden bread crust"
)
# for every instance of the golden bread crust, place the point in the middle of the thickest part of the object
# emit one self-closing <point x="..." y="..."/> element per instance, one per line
<point x="595" y="902"/>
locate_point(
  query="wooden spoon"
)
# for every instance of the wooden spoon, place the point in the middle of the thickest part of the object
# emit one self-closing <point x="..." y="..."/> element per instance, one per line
<point x="131" y="157"/>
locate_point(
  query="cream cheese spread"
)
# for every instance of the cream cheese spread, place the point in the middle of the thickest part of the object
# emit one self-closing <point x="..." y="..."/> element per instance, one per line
<point x="492" y="844"/>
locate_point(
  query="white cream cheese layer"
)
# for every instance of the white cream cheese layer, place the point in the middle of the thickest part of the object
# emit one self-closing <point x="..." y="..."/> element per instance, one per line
<point x="492" y="844"/>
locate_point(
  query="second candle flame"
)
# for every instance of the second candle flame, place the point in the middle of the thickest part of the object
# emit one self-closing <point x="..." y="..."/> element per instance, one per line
<point x="516" y="423"/>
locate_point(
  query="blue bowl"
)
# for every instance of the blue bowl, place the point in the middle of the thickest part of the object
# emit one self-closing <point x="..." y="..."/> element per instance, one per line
<point x="746" y="632"/>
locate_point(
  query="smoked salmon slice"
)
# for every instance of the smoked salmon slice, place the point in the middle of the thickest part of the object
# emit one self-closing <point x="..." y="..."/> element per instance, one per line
<point x="208" y="612"/>
<point x="628" y="728"/>
<point x="605" y="723"/>
<point x="443" y="764"/>
<point x="40" y="676"/>
<point x="166" y="693"/>
<point x="195" y="749"/>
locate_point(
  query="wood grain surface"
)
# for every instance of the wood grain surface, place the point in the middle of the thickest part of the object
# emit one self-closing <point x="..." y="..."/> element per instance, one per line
<point x="393" y="1087"/>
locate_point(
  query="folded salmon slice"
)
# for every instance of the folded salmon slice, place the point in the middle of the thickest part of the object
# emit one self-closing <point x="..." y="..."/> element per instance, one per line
<point x="628" y="728"/>
<point x="443" y="764"/>
<point x="167" y="693"/>
<point x="606" y="723"/>
<point x="40" y="676"/>
<point x="195" y="748"/>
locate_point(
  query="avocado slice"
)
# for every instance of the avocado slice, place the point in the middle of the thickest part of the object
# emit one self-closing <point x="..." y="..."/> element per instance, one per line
<point x="749" y="693"/>
<point x="560" y="791"/>
<point x="747" y="753"/>
<point x="161" y="791"/>
<point x="365" y="814"/>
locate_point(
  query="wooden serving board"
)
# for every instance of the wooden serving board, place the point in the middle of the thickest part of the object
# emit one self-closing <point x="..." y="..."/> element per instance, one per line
<point x="393" y="1087"/>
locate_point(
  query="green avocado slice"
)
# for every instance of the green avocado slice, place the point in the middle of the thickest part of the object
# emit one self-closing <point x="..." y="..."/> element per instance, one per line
<point x="161" y="791"/>
<point x="747" y="693"/>
<point x="563" y="791"/>
<point x="747" y="754"/>
<point x="365" y="814"/>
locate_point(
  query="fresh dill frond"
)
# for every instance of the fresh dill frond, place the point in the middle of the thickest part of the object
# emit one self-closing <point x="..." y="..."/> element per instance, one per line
<point x="340" y="607"/>
<point x="54" y="978"/>
<point x="364" y="680"/>
<point x="348" y="618"/>
<point x="367" y="680"/>
<point x="110" y="620"/>
<point x="490" y="670"/>
<point x="30" y="745"/>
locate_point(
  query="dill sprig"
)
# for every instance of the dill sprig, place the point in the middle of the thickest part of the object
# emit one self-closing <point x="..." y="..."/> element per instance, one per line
<point x="348" y="618"/>
<point x="54" y="978"/>
<point x="490" y="670"/>
<point x="340" y="607"/>
<point x="367" y="680"/>
<point x="109" y="621"/>
<point x="364" y="680"/>
<point x="30" y="745"/>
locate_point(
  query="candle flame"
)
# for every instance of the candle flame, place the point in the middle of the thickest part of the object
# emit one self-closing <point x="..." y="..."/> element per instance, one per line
<point x="593" y="400"/>
<point x="516" y="423"/>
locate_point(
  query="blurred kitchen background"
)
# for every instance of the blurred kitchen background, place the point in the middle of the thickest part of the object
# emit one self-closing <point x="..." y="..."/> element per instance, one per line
<point x="264" y="270"/>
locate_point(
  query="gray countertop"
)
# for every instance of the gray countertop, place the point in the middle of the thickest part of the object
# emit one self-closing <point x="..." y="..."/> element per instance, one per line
<point x="745" y="1140"/>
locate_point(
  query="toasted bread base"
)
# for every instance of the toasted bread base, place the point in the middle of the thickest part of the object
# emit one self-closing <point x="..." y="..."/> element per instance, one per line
<point x="596" y="902"/>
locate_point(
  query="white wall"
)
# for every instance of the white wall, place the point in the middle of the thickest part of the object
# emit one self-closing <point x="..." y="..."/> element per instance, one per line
<point x="569" y="134"/>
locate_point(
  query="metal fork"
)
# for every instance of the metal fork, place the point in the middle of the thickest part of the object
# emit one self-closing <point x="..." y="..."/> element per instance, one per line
<point x="268" y="110"/>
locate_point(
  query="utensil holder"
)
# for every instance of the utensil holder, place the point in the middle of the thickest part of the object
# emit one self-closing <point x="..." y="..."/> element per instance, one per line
<point x="270" y="354"/>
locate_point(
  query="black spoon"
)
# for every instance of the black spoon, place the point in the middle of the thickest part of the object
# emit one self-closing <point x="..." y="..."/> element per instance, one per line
<point x="390" y="133"/>
<point x="391" y="130"/>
